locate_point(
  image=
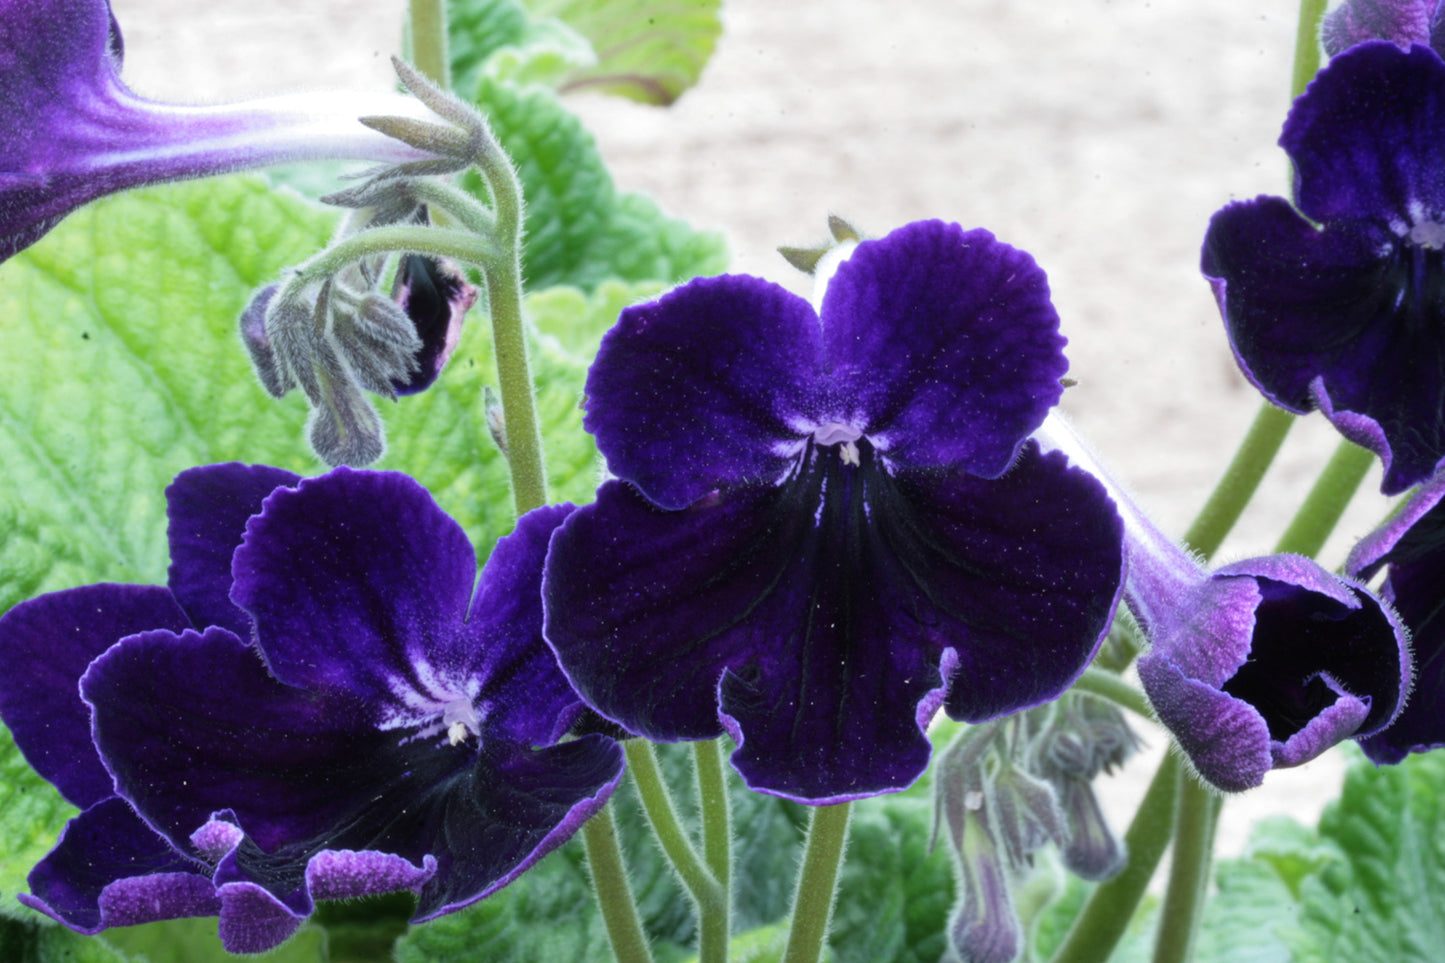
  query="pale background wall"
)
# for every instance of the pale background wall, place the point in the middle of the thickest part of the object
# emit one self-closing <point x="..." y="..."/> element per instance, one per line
<point x="1099" y="135"/>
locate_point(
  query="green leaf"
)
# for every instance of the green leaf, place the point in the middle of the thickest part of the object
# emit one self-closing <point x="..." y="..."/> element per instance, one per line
<point x="580" y="230"/>
<point x="648" y="50"/>
<point x="502" y="40"/>
<point x="1381" y="898"/>
<point x="894" y="895"/>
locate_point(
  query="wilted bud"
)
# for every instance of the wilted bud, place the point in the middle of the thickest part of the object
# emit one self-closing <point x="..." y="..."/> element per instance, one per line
<point x="436" y="298"/>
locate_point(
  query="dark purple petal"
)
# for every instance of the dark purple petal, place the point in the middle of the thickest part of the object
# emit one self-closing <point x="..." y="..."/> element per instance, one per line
<point x="1403" y="22"/>
<point x="1413" y="545"/>
<point x="436" y="297"/>
<point x="368" y="559"/>
<point x="253" y="920"/>
<point x="943" y="347"/>
<point x="192" y="725"/>
<point x="208" y="508"/>
<point x="529" y="701"/>
<point x="708" y="387"/>
<point x="1226" y="739"/>
<point x="45" y="645"/>
<point x="828" y="629"/>
<point x="110" y="869"/>
<point x="1365" y="136"/>
<point x="1317" y="317"/>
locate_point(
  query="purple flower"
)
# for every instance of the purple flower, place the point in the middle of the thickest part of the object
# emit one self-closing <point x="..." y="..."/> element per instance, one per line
<point x="1261" y="664"/>
<point x="1339" y="304"/>
<point x="324" y="712"/>
<point x="823" y="531"/>
<point x="74" y="132"/>
<point x="1411" y="547"/>
<point x="1403" y="22"/>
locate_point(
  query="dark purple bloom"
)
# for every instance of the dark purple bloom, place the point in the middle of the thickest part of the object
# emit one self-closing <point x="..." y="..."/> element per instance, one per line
<point x="1258" y="665"/>
<point x="327" y="711"/>
<point x="1403" y="22"/>
<point x="1338" y="302"/>
<point x="1411" y="546"/>
<point x="74" y="132"/>
<point x="109" y="868"/>
<point x="823" y="532"/>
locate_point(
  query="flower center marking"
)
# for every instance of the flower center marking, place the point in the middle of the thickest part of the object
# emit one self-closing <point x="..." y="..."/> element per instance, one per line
<point x="461" y="720"/>
<point x="844" y="436"/>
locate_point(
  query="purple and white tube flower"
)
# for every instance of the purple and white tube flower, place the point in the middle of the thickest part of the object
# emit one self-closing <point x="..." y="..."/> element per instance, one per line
<point x="1258" y="665"/>
<point x="75" y="132"/>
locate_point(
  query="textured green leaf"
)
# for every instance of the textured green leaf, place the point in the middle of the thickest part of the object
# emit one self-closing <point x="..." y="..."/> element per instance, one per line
<point x="1382" y="898"/>
<point x="647" y="50"/>
<point x="894" y="896"/>
<point x="501" y="39"/>
<point x="580" y="230"/>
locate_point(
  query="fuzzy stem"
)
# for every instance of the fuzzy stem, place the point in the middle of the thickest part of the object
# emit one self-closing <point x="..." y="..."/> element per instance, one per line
<point x="1188" y="871"/>
<point x="1108" y="685"/>
<point x="1321" y="510"/>
<point x="429" y="40"/>
<point x="612" y="889"/>
<point x="817" y="881"/>
<point x="705" y="890"/>
<point x="713" y="801"/>
<point x="1106" y="914"/>
<point x="1306" y="45"/>
<point x="1240" y="480"/>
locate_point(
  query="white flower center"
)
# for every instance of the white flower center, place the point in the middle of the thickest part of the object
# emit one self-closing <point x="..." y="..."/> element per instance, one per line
<point x="844" y="436"/>
<point x="461" y="720"/>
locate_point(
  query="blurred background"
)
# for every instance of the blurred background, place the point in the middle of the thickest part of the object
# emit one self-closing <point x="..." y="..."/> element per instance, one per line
<point x="1098" y="135"/>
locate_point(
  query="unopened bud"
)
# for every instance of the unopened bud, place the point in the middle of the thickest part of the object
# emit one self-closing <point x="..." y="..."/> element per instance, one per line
<point x="379" y="341"/>
<point x="269" y="370"/>
<point x="1025" y="814"/>
<point x="984" y="927"/>
<point x="1093" y="852"/>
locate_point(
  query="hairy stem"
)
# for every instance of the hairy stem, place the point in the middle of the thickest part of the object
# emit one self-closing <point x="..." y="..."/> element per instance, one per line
<point x="1240" y="480"/>
<point x="428" y="21"/>
<point x="612" y="889"/>
<point x="1189" y="866"/>
<point x="817" y="881"/>
<point x="1320" y="512"/>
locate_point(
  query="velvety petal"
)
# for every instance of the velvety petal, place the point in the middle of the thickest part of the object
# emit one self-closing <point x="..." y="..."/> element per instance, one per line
<point x="392" y="582"/>
<point x="834" y="639"/>
<point x="1413" y="545"/>
<point x="253" y="920"/>
<point x="712" y="385"/>
<point x="943" y="346"/>
<point x="1310" y="309"/>
<point x="110" y="869"/>
<point x="1365" y="136"/>
<point x="208" y="508"/>
<point x="46" y="644"/>
<point x="304" y="773"/>
<point x="1403" y="22"/>
<point x="78" y="133"/>
<point x="528" y="700"/>
<point x="1226" y="739"/>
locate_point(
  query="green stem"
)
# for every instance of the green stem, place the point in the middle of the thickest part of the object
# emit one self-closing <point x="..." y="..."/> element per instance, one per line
<point x="409" y="238"/>
<point x="612" y="889"/>
<point x="813" y="902"/>
<point x="1110" y="907"/>
<point x="1108" y="685"/>
<point x="1188" y="871"/>
<point x="712" y="794"/>
<point x="1321" y="510"/>
<point x="1306" y="45"/>
<point x="428" y="19"/>
<point x="504" y="296"/>
<point x="1240" y="480"/>
<point x="662" y="816"/>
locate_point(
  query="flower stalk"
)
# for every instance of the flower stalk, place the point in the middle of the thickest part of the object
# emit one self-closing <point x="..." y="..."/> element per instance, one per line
<point x="1327" y="500"/>
<point x="817" y="882"/>
<point x="613" y="890"/>
<point x="1240" y="480"/>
